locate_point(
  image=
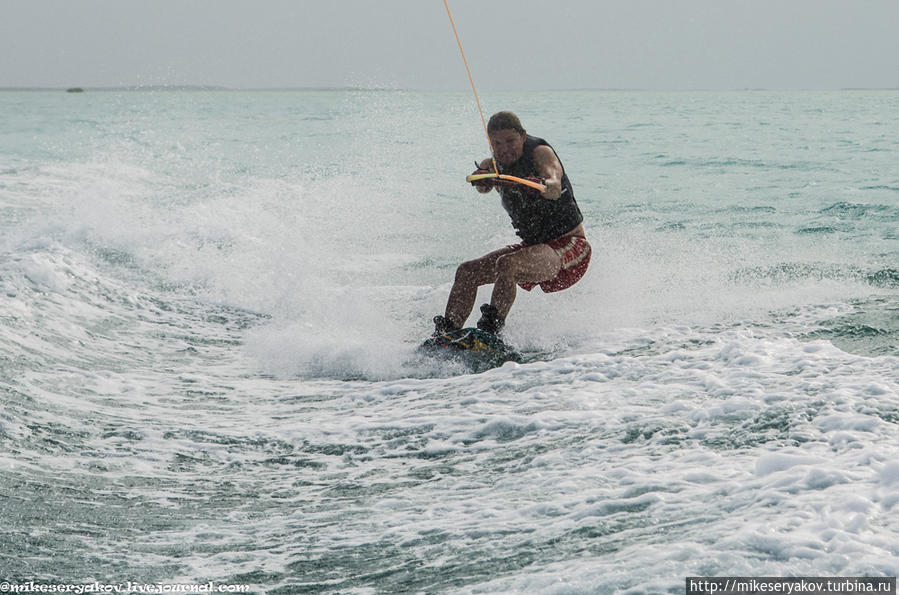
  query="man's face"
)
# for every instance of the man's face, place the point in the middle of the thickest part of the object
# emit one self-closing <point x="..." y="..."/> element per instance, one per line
<point x="508" y="146"/>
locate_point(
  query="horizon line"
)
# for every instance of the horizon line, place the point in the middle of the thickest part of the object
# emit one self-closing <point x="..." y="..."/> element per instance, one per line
<point x="103" y="88"/>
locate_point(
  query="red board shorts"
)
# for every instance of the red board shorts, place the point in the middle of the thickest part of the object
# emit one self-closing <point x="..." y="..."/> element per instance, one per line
<point x="575" y="252"/>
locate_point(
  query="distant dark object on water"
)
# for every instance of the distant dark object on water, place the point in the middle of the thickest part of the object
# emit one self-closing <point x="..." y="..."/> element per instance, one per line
<point x="75" y="90"/>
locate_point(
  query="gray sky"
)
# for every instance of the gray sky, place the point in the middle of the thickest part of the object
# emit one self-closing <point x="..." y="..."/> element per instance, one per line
<point x="511" y="44"/>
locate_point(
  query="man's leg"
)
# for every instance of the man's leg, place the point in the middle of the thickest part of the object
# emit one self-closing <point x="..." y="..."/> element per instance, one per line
<point x="534" y="263"/>
<point x="469" y="276"/>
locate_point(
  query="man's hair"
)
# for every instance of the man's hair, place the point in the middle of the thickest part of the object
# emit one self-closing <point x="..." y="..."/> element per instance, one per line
<point x="504" y="121"/>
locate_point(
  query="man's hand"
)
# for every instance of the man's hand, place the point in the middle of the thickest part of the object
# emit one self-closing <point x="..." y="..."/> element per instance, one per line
<point x="531" y="191"/>
<point x="483" y="186"/>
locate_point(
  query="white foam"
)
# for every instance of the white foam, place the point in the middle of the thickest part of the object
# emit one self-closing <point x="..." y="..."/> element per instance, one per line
<point x="781" y="461"/>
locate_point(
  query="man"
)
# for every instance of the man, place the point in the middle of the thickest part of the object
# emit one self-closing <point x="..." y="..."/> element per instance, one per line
<point x="554" y="252"/>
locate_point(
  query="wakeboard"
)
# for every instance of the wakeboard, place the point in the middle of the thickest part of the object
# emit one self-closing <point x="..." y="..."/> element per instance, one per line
<point x="475" y="348"/>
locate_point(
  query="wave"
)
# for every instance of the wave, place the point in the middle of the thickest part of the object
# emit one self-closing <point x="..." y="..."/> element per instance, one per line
<point x="857" y="211"/>
<point x="789" y="272"/>
<point x="736" y="163"/>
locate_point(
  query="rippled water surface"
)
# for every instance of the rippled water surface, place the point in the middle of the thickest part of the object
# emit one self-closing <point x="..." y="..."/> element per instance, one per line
<point x="211" y="303"/>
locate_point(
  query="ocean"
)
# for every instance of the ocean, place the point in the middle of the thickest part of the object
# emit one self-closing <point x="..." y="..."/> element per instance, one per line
<point x="210" y="303"/>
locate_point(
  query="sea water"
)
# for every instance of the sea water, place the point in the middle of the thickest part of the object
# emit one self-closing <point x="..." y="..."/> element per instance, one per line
<point x="210" y="303"/>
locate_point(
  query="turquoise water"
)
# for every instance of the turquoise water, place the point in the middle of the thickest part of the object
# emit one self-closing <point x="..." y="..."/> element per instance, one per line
<point x="211" y="302"/>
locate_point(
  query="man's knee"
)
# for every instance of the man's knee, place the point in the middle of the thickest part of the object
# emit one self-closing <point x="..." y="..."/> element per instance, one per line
<point x="469" y="271"/>
<point x="464" y="270"/>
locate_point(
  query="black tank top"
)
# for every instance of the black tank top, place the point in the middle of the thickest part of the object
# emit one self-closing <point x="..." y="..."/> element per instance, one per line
<point x="536" y="219"/>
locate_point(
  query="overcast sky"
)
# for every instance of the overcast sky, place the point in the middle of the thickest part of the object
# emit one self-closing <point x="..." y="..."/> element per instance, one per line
<point x="511" y="44"/>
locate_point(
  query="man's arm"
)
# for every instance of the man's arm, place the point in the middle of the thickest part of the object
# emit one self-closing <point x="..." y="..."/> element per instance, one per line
<point x="549" y="168"/>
